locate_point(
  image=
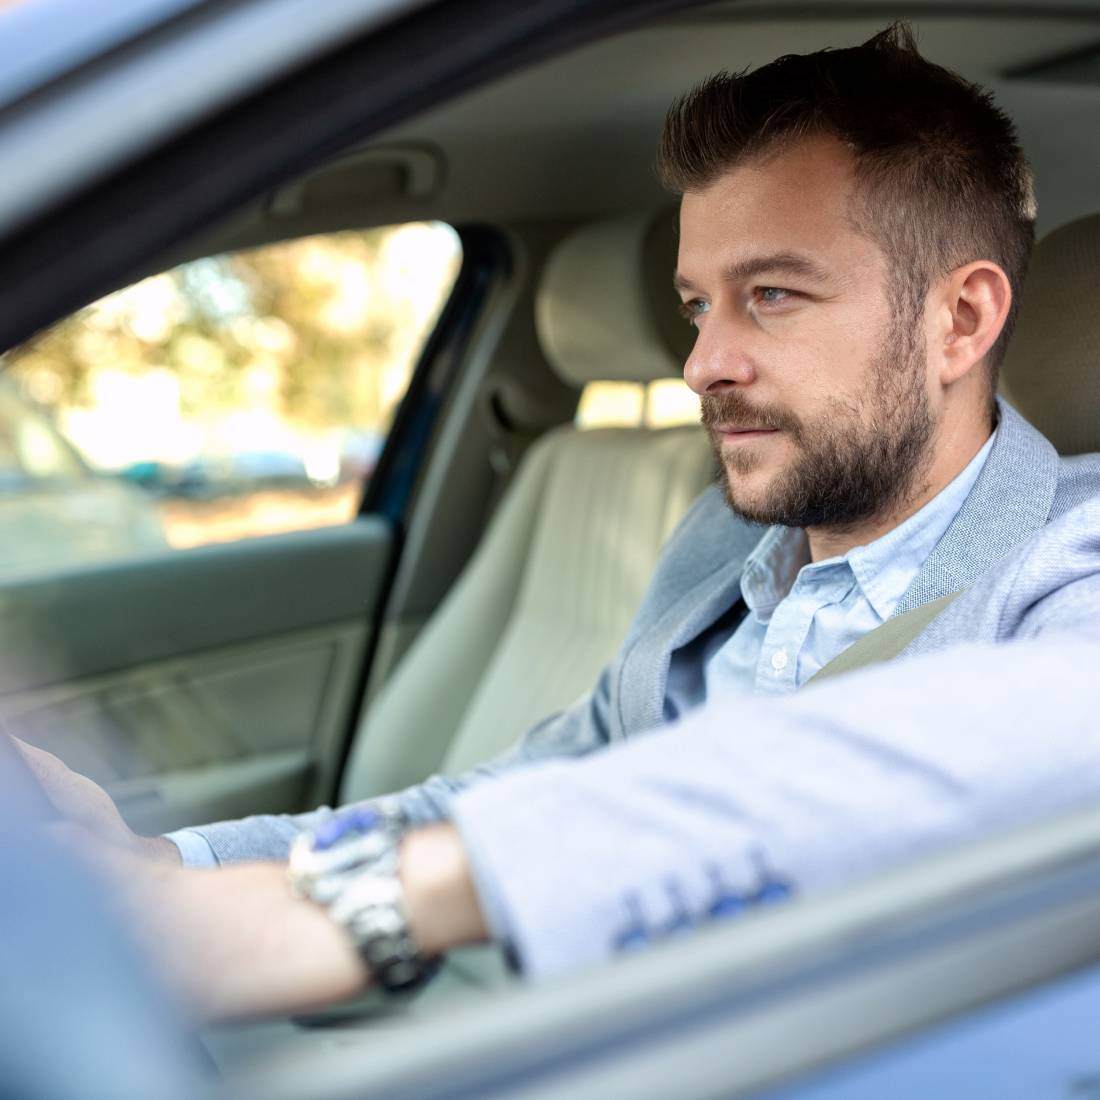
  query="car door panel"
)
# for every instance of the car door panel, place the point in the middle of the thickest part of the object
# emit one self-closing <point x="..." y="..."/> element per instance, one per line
<point x="198" y="684"/>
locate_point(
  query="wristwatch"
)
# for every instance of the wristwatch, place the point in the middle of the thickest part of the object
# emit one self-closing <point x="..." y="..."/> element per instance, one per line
<point x="349" y="865"/>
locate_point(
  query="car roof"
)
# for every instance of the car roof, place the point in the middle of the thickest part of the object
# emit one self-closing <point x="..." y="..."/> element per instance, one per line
<point x="572" y="138"/>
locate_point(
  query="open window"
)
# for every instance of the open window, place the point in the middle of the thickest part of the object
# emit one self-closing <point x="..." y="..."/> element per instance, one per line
<point x="235" y="396"/>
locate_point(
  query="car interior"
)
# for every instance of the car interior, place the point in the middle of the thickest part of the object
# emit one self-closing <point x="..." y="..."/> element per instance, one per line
<point x="502" y="548"/>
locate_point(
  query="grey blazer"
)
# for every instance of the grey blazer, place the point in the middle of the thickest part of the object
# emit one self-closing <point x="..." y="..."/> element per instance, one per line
<point x="696" y="589"/>
<point x="743" y="803"/>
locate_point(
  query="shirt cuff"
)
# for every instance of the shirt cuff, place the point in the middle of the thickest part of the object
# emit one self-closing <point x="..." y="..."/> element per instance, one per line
<point x="196" y="852"/>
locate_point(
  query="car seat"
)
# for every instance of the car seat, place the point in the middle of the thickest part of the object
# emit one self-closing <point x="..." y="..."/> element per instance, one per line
<point x="548" y="595"/>
<point x="1050" y="374"/>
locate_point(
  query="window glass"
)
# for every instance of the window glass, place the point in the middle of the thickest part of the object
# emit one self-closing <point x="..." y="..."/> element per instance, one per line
<point x="240" y="395"/>
<point x="30" y="450"/>
<point x="661" y="404"/>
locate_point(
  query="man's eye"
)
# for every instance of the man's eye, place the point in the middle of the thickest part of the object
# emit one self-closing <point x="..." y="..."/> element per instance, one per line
<point x="771" y="295"/>
<point x="693" y="309"/>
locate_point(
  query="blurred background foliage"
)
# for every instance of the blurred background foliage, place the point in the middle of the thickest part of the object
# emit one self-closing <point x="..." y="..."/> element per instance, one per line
<point x="319" y="333"/>
<point x="239" y="395"/>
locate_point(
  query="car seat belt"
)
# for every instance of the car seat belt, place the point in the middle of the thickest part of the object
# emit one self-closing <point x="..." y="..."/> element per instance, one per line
<point x="884" y="642"/>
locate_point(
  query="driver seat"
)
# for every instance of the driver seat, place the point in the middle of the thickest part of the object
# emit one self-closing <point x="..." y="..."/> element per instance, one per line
<point x="548" y="595"/>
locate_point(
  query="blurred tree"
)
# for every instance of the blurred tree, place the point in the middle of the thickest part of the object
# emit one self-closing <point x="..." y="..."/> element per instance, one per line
<point x="320" y="331"/>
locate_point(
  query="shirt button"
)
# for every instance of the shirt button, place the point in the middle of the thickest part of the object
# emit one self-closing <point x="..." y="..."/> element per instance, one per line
<point x="779" y="660"/>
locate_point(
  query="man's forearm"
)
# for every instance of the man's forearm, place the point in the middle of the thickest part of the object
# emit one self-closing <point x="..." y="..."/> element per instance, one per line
<point x="732" y="810"/>
<point x="160" y="849"/>
<point x="238" y="942"/>
<point x="440" y="899"/>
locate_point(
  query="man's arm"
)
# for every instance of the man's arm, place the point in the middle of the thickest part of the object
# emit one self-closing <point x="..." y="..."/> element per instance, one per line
<point x="697" y="543"/>
<point x="244" y="944"/>
<point x="577" y="731"/>
<point x="575" y="861"/>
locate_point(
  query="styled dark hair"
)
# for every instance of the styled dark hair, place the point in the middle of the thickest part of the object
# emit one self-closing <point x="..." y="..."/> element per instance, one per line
<point x="941" y="178"/>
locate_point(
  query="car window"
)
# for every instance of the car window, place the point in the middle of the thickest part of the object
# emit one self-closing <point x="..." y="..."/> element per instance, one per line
<point x="663" y="403"/>
<point x="235" y="396"/>
<point x="31" y="448"/>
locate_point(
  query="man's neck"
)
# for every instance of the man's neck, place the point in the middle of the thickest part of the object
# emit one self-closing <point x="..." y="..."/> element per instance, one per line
<point x="952" y="455"/>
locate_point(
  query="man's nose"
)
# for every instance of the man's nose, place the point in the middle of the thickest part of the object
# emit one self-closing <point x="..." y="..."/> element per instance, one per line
<point x="717" y="363"/>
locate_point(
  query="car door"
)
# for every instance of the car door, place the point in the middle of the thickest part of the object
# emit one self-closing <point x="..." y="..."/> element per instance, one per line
<point x="220" y="679"/>
<point x="215" y="670"/>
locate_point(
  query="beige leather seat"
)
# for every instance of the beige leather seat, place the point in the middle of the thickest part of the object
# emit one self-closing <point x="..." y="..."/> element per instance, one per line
<point x="1052" y="371"/>
<point x="548" y="596"/>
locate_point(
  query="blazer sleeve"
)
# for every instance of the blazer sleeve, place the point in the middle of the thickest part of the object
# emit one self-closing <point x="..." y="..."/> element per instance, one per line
<point x="577" y="861"/>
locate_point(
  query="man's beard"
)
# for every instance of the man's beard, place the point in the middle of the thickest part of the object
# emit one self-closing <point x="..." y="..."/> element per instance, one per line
<point x="855" y="461"/>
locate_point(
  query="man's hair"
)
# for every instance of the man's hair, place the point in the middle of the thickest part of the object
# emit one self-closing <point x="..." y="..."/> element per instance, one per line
<point x="941" y="178"/>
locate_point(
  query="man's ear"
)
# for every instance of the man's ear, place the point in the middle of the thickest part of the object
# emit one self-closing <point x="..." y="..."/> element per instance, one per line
<point x="972" y="306"/>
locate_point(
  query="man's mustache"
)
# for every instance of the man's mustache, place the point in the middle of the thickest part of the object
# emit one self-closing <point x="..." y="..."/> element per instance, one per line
<point x="730" y="409"/>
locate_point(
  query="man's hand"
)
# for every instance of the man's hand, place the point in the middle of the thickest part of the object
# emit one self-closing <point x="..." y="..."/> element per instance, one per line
<point x="85" y="803"/>
<point x="239" y="942"/>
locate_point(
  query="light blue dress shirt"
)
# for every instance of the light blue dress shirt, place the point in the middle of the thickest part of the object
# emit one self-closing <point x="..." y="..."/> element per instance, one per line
<point x="802" y="614"/>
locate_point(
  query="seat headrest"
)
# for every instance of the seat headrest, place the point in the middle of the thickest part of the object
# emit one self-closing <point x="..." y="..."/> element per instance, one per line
<point x="606" y="310"/>
<point x="1051" y="373"/>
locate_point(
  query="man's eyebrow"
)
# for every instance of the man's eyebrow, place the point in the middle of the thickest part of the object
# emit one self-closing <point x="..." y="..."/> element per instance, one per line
<point x="783" y="263"/>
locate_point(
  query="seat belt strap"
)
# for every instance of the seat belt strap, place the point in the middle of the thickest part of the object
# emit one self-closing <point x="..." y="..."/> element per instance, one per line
<point x="884" y="642"/>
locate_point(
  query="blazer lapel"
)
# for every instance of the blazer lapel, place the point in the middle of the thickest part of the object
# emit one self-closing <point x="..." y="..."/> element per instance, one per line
<point x="643" y="672"/>
<point x="1010" y="501"/>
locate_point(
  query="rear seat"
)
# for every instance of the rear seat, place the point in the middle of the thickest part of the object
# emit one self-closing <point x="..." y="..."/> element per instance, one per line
<point x="1051" y="374"/>
<point x="548" y="596"/>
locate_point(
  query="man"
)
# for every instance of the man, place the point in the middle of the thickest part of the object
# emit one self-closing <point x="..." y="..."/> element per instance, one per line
<point x="855" y="227"/>
<point x="854" y="231"/>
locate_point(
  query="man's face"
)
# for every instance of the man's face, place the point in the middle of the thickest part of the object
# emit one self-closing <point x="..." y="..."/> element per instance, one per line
<point x="813" y="389"/>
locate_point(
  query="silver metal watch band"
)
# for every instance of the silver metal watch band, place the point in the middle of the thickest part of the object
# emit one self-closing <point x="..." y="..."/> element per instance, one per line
<point x="356" y="878"/>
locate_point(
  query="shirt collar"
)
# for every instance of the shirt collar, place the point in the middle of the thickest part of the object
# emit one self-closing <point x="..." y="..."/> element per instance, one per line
<point x="770" y="570"/>
<point x="886" y="567"/>
<point x="883" y="569"/>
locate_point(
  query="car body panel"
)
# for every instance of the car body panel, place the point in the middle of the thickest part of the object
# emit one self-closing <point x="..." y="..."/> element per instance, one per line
<point x="79" y="31"/>
<point x="237" y="47"/>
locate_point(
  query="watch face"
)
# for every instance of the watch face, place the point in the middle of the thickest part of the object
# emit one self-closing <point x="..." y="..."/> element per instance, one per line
<point x="349" y="865"/>
<point x="315" y="870"/>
